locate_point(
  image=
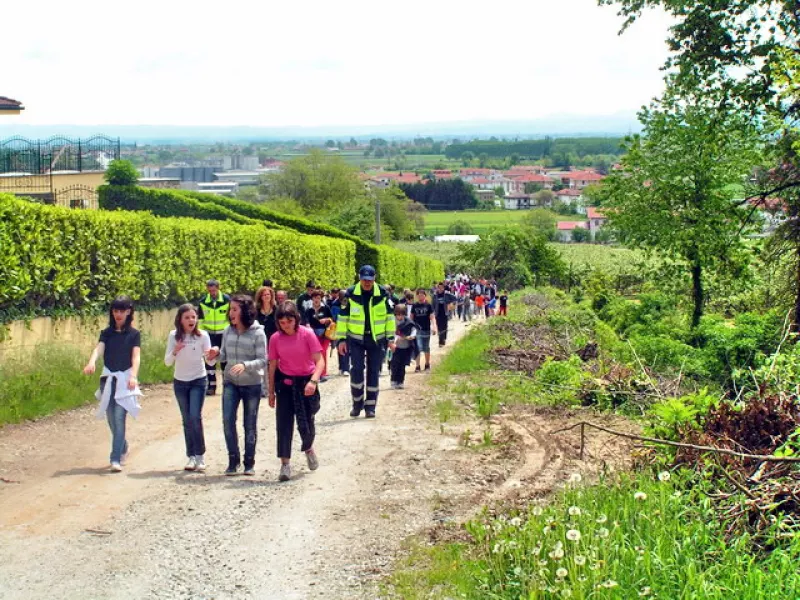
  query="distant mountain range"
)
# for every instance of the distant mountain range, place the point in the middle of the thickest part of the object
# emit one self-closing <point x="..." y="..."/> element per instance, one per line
<point x="617" y="124"/>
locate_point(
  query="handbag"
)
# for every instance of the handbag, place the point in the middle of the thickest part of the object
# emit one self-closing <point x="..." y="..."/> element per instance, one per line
<point x="330" y="331"/>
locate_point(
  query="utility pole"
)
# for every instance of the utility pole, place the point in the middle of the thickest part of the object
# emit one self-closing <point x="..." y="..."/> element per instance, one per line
<point x="377" y="219"/>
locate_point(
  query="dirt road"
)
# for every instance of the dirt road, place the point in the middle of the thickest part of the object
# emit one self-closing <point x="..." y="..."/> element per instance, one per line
<point x="71" y="529"/>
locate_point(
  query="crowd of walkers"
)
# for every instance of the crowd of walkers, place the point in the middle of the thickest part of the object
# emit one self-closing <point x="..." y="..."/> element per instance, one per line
<point x="270" y="347"/>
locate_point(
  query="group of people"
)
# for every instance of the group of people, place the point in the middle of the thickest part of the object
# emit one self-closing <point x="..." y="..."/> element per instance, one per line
<point x="270" y="347"/>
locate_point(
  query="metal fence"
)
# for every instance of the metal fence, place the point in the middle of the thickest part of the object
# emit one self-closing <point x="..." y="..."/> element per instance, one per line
<point x="20" y="155"/>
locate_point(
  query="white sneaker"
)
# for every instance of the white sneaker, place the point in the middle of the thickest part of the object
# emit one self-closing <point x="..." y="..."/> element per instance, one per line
<point x="199" y="463"/>
<point x="286" y="472"/>
<point x="115" y="467"/>
<point x="191" y="465"/>
<point x="311" y="458"/>
<point x="345" y="373"/>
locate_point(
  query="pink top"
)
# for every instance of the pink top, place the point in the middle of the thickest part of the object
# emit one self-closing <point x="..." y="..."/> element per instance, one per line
<point x="293" y="352"/>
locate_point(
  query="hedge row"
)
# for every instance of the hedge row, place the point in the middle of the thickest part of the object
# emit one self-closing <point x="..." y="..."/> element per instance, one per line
<point x="393" y="266"/>
<point x="58" y="258"/>
<point x="168" y="203"/>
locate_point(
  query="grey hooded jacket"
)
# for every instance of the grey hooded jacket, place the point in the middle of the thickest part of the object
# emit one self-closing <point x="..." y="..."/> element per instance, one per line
<point x="248" y="348"/>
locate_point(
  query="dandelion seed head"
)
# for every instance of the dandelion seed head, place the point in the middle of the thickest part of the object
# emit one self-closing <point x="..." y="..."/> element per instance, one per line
<point x="574" y="511"/>
<point x="537" y="511"/>
<point x="580" y="560"/>
<point x="602" y="532"/>
<point x="640" y="496"/>
<point x="664" y="476"/>
<point x="515" y="522"/>
<point x="561" y="572"/>
<point x="575" y="478"/>
<point x="602" y="519"/>
<point x="573" y="535"/>
<point x="645" y="591"/>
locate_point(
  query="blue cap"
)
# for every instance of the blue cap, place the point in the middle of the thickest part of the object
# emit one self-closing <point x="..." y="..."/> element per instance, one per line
<point x="367" y="273"/>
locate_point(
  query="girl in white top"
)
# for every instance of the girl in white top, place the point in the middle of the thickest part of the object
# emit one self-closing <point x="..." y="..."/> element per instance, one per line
<point x="188" y="349"/>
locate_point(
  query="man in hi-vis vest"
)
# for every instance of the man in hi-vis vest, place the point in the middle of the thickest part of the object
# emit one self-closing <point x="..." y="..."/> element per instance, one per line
<point x="213" y="317"/>
<point x="365" y="328"/>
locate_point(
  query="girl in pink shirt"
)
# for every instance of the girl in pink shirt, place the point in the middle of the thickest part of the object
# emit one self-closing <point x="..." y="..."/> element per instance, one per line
<point x="295" y="367"/>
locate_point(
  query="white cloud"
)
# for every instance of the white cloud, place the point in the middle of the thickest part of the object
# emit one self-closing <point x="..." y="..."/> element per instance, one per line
<point x="314" y="63"/>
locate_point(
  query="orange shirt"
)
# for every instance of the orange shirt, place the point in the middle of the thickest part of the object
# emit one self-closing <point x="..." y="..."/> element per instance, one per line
<point x="479" y="301"/>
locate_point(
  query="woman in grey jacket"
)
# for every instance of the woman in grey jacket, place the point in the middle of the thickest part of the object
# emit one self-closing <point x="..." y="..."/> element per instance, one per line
<point x="244" y="347"/>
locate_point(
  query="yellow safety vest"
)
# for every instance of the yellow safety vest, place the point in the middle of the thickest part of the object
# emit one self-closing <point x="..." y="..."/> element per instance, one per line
<point x="352" y="320"/>
<point x="215" y="313"/>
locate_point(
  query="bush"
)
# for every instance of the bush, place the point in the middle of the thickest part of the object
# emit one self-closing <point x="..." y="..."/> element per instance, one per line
<point x="89" y="257"/>
<point x="121" y="172"/>
<point x="460" y="228"/>
<point x="400" y="268"/>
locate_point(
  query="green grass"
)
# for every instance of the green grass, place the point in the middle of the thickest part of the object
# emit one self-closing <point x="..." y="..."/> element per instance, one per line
<point x="51" y="379"/>
<point x="443" y="251"/>
<point x="600" y="256"/>
<point x="485" y="221"/>
<point x="632" y="537"/>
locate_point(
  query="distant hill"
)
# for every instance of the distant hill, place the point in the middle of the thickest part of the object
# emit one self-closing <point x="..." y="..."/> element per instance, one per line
<point x="557" y="125"/>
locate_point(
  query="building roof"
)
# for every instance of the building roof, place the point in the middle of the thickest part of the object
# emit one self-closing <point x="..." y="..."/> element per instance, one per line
<point x="582" y="176"/>
<point x="569" y="192"/>
<point x="480" y="180"/>
<point x="570" y="225"/>
<point x="10" y="104"/>
<point x="593" y="213"/>
<point x="528" y="177"/>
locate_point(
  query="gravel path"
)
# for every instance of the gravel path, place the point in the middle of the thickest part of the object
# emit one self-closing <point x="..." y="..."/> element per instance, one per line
<point x="70" y="529"/>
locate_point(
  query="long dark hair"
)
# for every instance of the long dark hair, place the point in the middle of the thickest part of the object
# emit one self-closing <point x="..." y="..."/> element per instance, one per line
<point x="120" y="303"/>
<point x="182" y="309"/>
<point x="287" y="309"/>
<point x="247" y="309"/>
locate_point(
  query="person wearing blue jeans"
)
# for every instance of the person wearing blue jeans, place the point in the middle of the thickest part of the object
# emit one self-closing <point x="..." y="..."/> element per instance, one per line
<point x="190" y="396"/>
<point x="250" y="398"/>
<point x="116" y="416"/>
<point x="244" y="349"/>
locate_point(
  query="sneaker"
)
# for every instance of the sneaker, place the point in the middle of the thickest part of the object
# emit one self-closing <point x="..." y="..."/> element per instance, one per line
<point x="115" y="467"/>
<point x="311" y="458"/>
<point x="323" y="379"/>
<point x="211" y="391"/>
<point x="200" y="463"/>
<point x="191" y="465"/>
<point x="394" y="385"/>
<point x="286" y="472"/>
<point x="369" y="414"/>
<point x="232" y="470"/>
<point x="355" y="411"/>
<point x="344" y="373"/>
<point x="427" y="367"/>
<point x="400" y="386"/>
<point x="249" y="471"/>
<point x="418" y="369"/>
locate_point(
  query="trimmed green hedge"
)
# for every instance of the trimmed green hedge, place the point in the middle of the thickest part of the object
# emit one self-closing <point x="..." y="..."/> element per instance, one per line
<point x="167" y="203"/>
<point x="394" y="266"/>
<point x="58" y="258"/>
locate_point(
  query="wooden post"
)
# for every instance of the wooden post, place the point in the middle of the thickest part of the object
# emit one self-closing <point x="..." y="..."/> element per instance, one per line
<point x="583" y="438"/>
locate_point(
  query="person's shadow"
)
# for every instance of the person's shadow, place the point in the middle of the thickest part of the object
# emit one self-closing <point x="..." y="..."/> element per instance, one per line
<point x="84" y="471"/>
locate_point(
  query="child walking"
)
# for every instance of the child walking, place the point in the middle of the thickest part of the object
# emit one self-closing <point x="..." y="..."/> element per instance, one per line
<point x="405" y="340"/>
<point x="188" y="348"/>
<point x="119" y="385"/>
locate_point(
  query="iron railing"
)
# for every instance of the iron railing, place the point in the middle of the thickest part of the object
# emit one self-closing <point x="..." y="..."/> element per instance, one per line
<point x="58" y="153"/>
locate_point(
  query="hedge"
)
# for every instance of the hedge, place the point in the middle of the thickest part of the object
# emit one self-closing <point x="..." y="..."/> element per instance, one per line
<point x="59" y="258"/>
<point x="393" y="266"/>
<point x="167" y="203"/>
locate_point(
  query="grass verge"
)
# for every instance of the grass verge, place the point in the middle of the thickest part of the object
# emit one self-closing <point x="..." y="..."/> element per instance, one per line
<point x="633" y="537"/>
<point x="51" y="379"/>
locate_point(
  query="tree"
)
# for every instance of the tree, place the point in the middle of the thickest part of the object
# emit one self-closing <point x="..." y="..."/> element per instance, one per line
<point x="443" y="194"/>
<point x="500" y="191"/>
<point x="121" y="172"/>
<point x="532" y="188"/>
<point x="675" y="192"/>
<point x="330" y="144"/>
<point x="353" y="142"/>
<point x="467" y="158"/>
<point x="544" y="198"/>
<point x="580" y="235"/>
<point x="483" y="159"/>
<point x="460" y="227"/>
<point x="541" y="221"/>
<point x="319" y="182"/>
<point x="514" y="256"/>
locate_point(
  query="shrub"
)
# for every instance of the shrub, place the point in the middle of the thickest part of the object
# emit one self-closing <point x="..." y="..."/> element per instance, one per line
<point x="121" y="172"/>
<point x="460" y="228"/>
<point x="86" y="258"/>
<point x="398" y="267"/>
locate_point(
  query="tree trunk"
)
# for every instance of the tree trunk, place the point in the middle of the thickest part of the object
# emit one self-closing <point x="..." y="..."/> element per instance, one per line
<point x="697" y="293"/>
<point x="796" y="315"/>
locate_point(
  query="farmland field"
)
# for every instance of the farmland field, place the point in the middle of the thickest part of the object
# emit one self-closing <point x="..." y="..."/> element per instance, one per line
<point x="371" y="163"/>
<point x="436" y="223"/>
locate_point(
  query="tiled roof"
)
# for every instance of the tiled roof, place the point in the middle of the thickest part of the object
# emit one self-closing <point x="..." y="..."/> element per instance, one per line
<point x="570" y="225"/>
<point x="569" y="192"/>
<point x="583" y="176"/>
<point x="10" y="104"/>
<point x="528" y="177"/>
<point x="593" y="213"/>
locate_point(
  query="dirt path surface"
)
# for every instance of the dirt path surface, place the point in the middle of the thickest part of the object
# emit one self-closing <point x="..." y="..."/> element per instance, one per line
<point x="71" y="529"/>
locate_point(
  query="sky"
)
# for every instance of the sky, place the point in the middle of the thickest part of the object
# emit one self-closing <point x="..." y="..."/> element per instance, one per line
<point x="321" y="63"/>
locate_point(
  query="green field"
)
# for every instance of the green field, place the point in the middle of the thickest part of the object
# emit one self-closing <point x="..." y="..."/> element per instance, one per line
<point x="410" y="162"/>
<point x="437" y="222"/>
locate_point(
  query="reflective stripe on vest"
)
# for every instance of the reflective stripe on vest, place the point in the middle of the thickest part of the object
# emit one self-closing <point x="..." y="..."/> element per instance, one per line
<point x="353" y="325"/>
<point x="215" y="314"/>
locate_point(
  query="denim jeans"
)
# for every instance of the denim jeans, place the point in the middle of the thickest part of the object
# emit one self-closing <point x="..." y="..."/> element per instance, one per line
<point x="116" y="416"/>
<point x="292" y="404"/>
<point x="190" y="396"/>
<point x="250" y="397"/>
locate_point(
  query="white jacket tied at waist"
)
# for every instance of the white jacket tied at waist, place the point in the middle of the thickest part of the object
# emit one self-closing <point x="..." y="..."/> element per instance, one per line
<point x="127" y="399"/>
